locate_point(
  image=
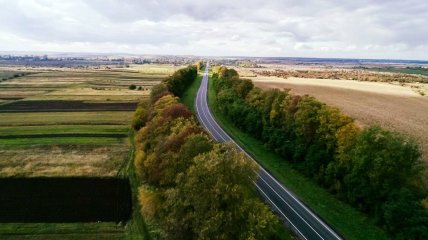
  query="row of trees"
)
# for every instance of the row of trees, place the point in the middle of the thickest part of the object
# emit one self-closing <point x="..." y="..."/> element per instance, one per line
<point x="181" y="79"/>
<point x="377" y="171"/>
<point x="192" y="187"/>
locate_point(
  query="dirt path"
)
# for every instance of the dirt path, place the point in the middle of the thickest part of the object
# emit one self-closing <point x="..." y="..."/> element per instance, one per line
<point x="390" y="106"/>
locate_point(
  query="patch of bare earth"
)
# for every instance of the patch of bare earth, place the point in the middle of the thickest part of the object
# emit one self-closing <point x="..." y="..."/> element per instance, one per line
<point x="390" y="106"/>
<point x="62" y="161"/>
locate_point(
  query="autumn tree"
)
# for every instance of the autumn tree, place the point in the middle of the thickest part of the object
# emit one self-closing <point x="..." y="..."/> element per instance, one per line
<point x="230" y="211"/>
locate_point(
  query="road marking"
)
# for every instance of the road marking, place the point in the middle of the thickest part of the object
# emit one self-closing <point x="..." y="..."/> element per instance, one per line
<point x="266" y="196"/>
<point x="291" y="208"/>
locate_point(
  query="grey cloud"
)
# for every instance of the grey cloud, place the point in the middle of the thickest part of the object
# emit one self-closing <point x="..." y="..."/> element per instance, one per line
<point x="338" y="28"/>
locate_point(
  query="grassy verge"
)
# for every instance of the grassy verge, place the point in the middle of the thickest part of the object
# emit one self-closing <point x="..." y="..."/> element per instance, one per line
<point x="350" y="223"/>
<point x="74" y="231"/>
<point x="189" y="95"/>
<point x="137" y="227"/>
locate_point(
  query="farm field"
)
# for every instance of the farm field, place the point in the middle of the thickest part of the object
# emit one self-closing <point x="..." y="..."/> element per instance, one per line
<point x="391" y="106"/>
<point x="64" y="122"/>
<point x="70" y="122"/>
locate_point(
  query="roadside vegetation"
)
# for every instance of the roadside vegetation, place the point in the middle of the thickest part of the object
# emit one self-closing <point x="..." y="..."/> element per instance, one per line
<point x="376" y="171"/>
<point x="193" y="188"/>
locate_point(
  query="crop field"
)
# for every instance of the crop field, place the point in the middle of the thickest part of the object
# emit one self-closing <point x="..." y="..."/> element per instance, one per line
<point x="52" y="117"/>
<point x="391" y="106"/>
<point x="408" y="70"/>
<point x="69" y="123"/>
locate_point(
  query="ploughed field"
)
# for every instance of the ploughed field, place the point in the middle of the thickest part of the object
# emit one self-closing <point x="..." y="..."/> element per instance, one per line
<point x="66" y="106"/>
<point x="392" y="106"/>
<point x="68" y="128"/>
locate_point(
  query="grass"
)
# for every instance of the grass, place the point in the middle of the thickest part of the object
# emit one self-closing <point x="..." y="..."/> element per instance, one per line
<point x="347" y="221"/>
<point x="55" y="160"/>
<point x="71" y="231"/>
<point x="63" y="129"/>
<point x="160" y="69"/>
<point x="189" y="95"/>
<point x="138" y="228"/>
<point x="407" y="70"/>
<point x="25" y="142"/>
<point x="66" y="118"/>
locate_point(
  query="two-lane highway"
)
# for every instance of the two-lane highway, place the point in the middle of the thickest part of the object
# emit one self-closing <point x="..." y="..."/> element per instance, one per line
<point x="295" y="214"/>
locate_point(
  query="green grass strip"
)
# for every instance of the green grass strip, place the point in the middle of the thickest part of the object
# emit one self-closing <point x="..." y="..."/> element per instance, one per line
<point x="189" y="95"/>
<point x="20" y="142"/>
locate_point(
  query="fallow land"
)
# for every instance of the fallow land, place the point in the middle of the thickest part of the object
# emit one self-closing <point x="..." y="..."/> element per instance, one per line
<point x="393" y="105"/>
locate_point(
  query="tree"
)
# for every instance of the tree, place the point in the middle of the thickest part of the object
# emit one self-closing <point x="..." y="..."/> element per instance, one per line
<point x="404" y="216"/>
<point x="132" y="87"/>
<point x="243" y="87"/>
<point x="213" y="199"/>
<point x="158" y="91"/>
<point x="381" y="161"/>
<point x="140" y="115"/>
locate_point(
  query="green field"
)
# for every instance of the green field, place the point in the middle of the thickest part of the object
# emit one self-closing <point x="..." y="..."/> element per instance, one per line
<point x="70" y="231"/>
<point x="348" y="222"/>
<point x="65" y="118"/>
<point x="407" y="70"/>
<point x="66" y="129"/>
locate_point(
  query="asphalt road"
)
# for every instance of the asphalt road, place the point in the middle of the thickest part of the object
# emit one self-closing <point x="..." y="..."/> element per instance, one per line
<point x="294" y="213"/>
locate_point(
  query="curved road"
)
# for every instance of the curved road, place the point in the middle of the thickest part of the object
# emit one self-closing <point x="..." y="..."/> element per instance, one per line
<point x="294" y="213"/>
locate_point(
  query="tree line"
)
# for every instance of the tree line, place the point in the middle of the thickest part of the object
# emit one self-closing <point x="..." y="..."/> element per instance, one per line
<point x="377" y="171"/>
<point x="193" y="188"/>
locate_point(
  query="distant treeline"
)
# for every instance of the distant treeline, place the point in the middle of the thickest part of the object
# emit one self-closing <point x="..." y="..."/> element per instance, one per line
<point x="377" y="171"/>
<point x="180" y="80"/>
<point x="401" y="76"/>
<point x="192" y="187"/>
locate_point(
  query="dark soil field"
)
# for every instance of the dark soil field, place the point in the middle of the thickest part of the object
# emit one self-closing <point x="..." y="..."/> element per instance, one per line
<point x="66" y="106"/>
<point x="65" y="200"/>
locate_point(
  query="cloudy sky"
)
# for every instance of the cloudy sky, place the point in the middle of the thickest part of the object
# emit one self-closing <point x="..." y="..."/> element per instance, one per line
<point x="305" y="28"/>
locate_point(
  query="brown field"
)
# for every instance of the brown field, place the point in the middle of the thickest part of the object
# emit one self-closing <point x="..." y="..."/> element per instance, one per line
<point x="390" y="106"/>
<point x="66" y="106"/>
<point x="52" y="160"/>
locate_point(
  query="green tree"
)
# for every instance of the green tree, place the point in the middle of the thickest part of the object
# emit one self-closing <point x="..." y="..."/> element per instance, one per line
<point x="243" y="87"/>
<point x="381" y="161"/>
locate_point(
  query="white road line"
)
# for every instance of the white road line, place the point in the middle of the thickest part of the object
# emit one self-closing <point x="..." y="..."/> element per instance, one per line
<point x="292" y="208"/>
<point x="267" y="197"/>
<point x="302" y="205"/>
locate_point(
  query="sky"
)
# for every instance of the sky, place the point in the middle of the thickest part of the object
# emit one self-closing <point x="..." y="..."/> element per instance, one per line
<point x="386" y="29"/>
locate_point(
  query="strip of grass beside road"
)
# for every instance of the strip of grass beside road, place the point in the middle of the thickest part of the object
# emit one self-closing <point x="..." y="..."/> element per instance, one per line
<point x="350" y="223"/>
<point x="189" y="95"/>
